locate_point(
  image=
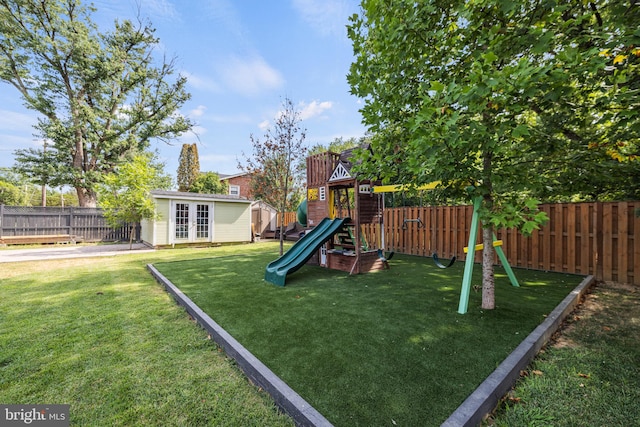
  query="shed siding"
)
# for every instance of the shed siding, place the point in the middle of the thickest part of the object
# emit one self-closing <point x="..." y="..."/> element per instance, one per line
<point x="232" y="222"/>
<point x="146" y="231"/>
<point x="163" y="222"/>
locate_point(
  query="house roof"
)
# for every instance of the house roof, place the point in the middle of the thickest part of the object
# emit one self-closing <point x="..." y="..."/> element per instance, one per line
<point x="183" y="195"/>
<point x="224" y="177"/>
<point x="264" y="205"/>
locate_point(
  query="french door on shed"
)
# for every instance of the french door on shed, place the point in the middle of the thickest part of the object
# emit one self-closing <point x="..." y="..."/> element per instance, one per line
<point x="192" y="222"/>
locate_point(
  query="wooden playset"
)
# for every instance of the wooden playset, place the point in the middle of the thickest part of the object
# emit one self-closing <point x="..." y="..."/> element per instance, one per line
<point x="333" y="191"/>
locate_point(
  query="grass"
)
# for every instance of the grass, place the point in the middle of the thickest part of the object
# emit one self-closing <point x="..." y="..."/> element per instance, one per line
<point x="101" y="335"/>
<point x="386" y="348"/>
<point x="590" y="374"/>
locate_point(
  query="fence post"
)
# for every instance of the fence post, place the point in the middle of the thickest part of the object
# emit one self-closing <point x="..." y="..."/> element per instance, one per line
<point x="597" y="241"/>
<point x="71" y="229"/>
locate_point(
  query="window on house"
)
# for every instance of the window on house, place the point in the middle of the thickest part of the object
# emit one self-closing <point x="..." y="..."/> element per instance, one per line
<point x="234" y="190"/>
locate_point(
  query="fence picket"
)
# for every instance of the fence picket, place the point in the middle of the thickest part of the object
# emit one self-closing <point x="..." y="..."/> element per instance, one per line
<point x="622" y="242"/>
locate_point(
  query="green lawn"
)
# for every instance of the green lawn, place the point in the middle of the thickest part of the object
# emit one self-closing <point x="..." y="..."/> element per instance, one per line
<point x="101" y="335"/>
<point x="590" y="375"/>
<point x="385" y="348"/>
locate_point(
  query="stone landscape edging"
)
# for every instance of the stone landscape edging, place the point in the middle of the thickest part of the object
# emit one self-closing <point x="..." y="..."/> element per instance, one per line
<point x="285" y="397"/>
<point x="470" y="413"/>
<point x="485" y="398"/>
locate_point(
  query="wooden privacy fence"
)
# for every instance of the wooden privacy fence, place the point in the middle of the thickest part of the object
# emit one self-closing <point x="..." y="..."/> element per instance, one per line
<point x="289" y="217"/>
<point x="602" y="239"/>
<point x="598" y="238"/>
<point x="88" y="224"/>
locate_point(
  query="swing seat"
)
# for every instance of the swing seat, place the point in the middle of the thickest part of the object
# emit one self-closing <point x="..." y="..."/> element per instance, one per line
<point x="383" y="257"/>
<point x="436" y="260"/>
<point x="385" y="260"/>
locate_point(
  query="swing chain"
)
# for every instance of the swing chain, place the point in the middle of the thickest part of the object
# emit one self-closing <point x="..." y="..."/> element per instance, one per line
<point x="406" y="220"/>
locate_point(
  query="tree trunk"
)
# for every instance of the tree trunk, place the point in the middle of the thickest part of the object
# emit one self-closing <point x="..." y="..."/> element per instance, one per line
<point x="86" y="198"/>
<point x="488" y="280"/>
<point x="282" y="235"/>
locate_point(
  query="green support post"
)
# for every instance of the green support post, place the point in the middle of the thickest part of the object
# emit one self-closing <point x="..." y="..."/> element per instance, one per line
<point x="505" y="264"/>
<point x="468" y="264"/>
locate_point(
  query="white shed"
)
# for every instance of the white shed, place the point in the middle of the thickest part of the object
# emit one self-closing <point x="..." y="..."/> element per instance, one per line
<point x="191" y="218"/>
<point x="264" y="217"/>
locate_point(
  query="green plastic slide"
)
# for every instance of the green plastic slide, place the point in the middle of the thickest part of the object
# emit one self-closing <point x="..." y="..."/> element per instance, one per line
<point x="302" y="250"/>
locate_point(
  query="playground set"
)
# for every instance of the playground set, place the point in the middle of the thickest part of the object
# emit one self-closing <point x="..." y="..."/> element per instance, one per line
<point x="339" y="207"/>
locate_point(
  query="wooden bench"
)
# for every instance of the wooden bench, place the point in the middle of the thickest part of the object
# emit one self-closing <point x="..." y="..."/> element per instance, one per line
<point x="39" y="239"/>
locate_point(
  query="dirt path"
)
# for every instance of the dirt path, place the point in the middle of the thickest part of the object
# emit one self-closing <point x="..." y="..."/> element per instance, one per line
<point x="608" y="307"/>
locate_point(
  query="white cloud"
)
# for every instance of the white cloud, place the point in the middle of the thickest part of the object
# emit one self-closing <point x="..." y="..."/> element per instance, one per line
<point x="314" y="109"/>
<point x="201" y="83"/>
<point x="198" y="111"/>
<point x="160" y="9"/>
<point x="10" y="120"/>
<point x="306" y="112"/>
<point x="327" y="17"/>
<point x="250" y="76"/>
<point x="223" y="13"/>
<point x="264" y="125"/>
<point x="199" y="130"/>
<point x="15" y="142"/>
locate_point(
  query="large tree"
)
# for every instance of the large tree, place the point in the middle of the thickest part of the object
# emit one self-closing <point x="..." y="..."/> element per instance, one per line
<point x="483" y="96"/>
<point x="209" y="183"/>
<point x="9" y="193"/>
<point x="338" y="145"/>
<point x="274" y="165"/>
<point x="102" y="95"/>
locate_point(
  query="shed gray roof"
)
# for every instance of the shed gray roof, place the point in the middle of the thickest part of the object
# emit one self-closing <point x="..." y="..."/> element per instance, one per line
<point x="165" y="194"/>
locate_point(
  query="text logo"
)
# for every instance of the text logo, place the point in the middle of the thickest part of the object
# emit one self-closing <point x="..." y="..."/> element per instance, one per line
<point x="34" y="415"/>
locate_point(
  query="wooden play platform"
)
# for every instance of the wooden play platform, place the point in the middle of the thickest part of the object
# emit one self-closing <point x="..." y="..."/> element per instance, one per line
<point x="334" y="192"/>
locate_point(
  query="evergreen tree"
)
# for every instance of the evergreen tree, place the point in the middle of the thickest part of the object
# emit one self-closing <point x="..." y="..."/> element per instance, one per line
<point x="188" y="167"/>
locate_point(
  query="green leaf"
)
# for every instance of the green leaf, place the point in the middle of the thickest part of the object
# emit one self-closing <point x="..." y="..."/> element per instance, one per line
<point x="489" y="57"/>
<point x="520" y="130"/>
<point x="437" y="86"/>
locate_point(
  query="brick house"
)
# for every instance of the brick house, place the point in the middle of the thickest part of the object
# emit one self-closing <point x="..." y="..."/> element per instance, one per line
<point x="238" y="184"/>
<point x="263" y="215"/>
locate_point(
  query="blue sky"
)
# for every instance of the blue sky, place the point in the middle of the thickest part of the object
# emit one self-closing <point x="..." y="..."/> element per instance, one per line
<point x="241" y="58"/>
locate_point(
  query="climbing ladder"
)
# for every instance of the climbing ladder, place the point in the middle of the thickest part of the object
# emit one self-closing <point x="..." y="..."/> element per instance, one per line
<point x="346" y="238"/>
